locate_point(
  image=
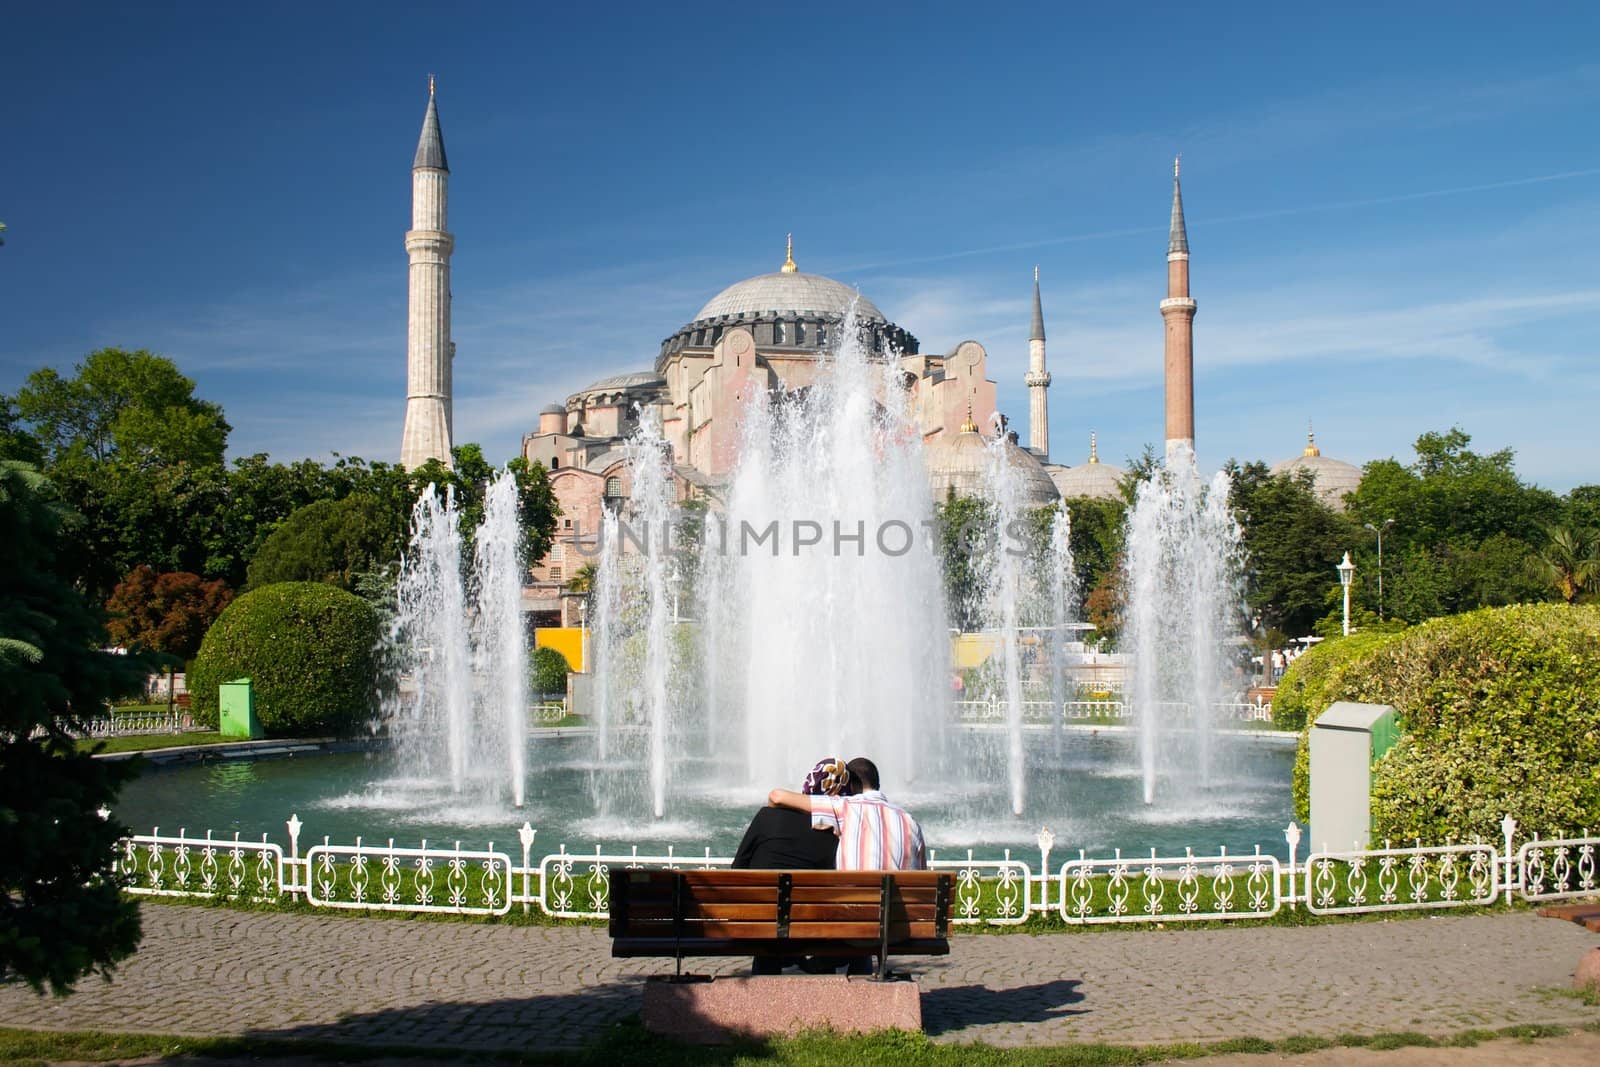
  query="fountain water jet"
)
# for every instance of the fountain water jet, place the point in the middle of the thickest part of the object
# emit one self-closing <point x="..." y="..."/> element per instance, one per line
<point x="634" y="638"/>
<point x="831" y="635"/>
<point x="466" y="656"/>
<point x="1183" y="565"/>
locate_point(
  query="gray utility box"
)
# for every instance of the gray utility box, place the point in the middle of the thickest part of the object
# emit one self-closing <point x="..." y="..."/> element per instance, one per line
<point x="1346" y="740"/>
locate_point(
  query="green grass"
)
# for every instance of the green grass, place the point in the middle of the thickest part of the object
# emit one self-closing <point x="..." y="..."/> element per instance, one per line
<point x="148" y="742"/>
<point x="628" y="1042"/>
<point x="565" y="720"/>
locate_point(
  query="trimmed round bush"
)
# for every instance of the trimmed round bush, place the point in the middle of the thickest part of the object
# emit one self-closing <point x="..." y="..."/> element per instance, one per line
<point x="307" y="647"/>
<point x="1501" y="709"/>
<point x="549" y="673"/>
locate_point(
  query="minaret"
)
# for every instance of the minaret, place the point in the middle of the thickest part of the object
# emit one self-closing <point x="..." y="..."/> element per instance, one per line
<point x="1037" y="380"/>
<point x="429" y="350"/>
<point x="1178" y="311"/>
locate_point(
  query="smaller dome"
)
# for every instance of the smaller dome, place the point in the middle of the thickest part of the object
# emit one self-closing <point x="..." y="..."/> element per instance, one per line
<point x="1095" y="480"/>
<point x="552" y="409"/>
<point x="959" y="463"/>
<point x="1331" y="478"/>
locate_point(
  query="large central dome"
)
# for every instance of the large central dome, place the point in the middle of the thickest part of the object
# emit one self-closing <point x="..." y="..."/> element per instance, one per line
<point x="789" y="291"/>
<point x="790" y="314"/>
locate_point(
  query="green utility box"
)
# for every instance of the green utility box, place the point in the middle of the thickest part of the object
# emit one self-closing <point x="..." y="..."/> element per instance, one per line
<point x="1346" y="740"/>
<point x="236" y="702"/>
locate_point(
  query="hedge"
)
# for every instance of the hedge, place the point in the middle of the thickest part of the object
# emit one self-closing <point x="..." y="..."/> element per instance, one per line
<point x="1501" y="709"/>
<point x="1303" y="692"/>
<point x="309" y="649"/>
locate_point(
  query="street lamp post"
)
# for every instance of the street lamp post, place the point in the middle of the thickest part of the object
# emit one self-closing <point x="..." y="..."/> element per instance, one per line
<point x="1346" y="571"/>
<point x="1379" y="531"/>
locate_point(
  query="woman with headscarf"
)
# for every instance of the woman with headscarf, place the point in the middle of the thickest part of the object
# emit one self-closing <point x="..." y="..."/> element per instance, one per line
<point x="785" y="839"/>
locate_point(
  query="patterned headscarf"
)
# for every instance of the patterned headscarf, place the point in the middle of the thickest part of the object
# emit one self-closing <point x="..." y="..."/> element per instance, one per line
<point x="830" y="778"/>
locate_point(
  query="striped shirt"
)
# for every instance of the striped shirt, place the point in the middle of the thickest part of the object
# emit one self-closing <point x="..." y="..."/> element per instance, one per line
<point x="874" y="835"/>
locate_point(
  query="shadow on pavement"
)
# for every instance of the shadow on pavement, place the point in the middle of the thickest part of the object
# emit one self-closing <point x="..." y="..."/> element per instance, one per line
<point x="947" y="1008"/>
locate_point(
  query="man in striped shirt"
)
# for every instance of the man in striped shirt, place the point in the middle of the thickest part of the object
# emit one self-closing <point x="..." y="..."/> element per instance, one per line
<point x="874" y="835"/>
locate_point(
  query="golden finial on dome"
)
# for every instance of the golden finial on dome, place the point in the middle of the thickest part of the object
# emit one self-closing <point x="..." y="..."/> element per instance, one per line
<point x="430" y="85"/>
<point x="1311" y="442"/>
<point x="1094" y="455"/>
<point x="969" y="426"/>
<point x="788" y="258"/>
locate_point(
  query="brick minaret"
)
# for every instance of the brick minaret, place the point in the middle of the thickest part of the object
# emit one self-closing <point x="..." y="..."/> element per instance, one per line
<point x="429" y="350"/>
<point x="1178" y="311"/>
<point x="1037" y="380"/>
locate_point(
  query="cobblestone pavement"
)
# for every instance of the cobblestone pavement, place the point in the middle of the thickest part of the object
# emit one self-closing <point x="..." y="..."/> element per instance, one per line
<point x="205" y="971"/>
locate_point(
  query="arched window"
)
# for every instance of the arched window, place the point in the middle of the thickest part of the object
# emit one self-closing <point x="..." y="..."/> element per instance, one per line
<point x="555" y="462"/>
<point x="614" y="486"/>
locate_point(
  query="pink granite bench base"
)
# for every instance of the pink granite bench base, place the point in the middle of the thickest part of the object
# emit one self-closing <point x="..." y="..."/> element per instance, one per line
<point x="777" y="1005"/>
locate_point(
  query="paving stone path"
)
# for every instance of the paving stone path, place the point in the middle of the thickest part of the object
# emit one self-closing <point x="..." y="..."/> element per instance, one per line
<point x="212" y="971"/>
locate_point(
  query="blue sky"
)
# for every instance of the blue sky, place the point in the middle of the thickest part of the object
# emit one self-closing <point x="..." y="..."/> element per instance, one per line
<point x="1393" y="210"/>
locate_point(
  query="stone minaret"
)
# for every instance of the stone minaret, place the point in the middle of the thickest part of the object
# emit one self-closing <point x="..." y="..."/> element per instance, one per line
<point x="1178" y="311"/>
<point x="429" y="350"/>
<point x="1037" y="380"/>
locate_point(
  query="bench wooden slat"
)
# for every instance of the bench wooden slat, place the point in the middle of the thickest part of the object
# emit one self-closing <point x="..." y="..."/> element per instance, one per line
<point x="744" y="929"/>
<point x="768" y="912"/>
<point x="662" y="896"/>
<point x="830" y="913"/>
<point x="835" y="948"/>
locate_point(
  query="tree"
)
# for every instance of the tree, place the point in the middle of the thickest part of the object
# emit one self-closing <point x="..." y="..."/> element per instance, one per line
<point x="964" y="527"/>
<point x="332" y="541"/>
<point x="168" y="613"/>
<point x="1569" y="561"/>
<point x="16" y="442"/>
<point x="131" y="406"/>
<point x="1464" y="528"/>
<point x="62" y="915"/>
<point x="1097" y="531"/>
<point x="583" y="579"/>
<point x="470" y="479"/>
<point x="1292" y="542"/>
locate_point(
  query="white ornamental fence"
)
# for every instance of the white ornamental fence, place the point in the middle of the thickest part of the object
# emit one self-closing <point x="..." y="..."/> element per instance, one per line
<point x="1122" y="888"/>
<point x="994" y="710"/>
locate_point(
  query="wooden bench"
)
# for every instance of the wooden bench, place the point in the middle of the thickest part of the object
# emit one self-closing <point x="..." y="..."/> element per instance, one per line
<point x="829" y="914"/>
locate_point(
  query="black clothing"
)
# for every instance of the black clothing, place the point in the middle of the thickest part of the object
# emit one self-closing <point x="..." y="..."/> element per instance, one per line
<point x="782" y="839"/>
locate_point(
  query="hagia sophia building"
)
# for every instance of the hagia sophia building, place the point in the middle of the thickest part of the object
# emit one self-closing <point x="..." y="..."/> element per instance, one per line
<point x="768" y="332"/>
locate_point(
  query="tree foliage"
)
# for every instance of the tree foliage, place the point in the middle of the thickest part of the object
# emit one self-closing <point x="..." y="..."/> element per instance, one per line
<point x="470" y="480"/>
<point x="1463" y="534"/>
<point x="167" y="613"/>
<point x="131" y="406"/>
<point x="1292" y="541"/>
<point x="334" y="541"/>
<point x="1569" y="560"/>
<point x="61" y="911"/>
<point x="307" y="647"/>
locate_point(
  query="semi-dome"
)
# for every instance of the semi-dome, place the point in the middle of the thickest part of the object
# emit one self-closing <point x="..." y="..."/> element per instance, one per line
<point x="789" y="291"/>
<point x="1095" y="480"/>
<point x="958" y="464"/>
<point x="1331" y="478"/>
